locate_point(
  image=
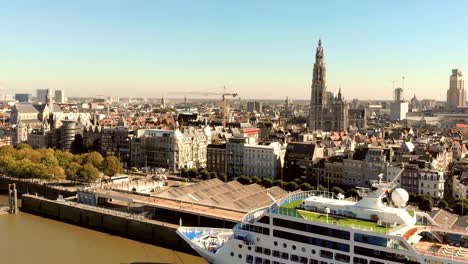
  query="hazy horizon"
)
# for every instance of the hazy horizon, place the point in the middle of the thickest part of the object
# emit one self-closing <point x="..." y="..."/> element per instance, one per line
<point x="257" y="49"/>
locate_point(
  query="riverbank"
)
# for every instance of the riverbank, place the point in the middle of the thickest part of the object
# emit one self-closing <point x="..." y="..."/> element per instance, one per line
<point x="29" y="238"/>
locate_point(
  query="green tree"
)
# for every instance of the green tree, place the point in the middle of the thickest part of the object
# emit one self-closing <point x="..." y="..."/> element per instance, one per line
<point x="214" y="175"/>
<point x="222" y="177"/>
<point x="8" y="151"/>
<point x="48" y="158"/>
<point x="72" y="170"/>
<point x="306" y="186"/>
<point x="321" y="188"/>
<point x="461" y="207"/>
<point x="192" y="173"/>
<point x="352" y="193"/>
<point x="425" y="203"/>
<point x="64" y="158"/>
<point x="184" y="173"/>
<point x="442" y="204"/>
<point x="58" y="173"/>
<point x="89" y="173"/>
<point x="255" y="179"/>
<point x="267" y="182"/>
<point x="93" y="158"/>
<point x="111" y="166"/>
<point x="278" y="183"/>
<point x="205" y="175"/>
<point x="8" y="164"/>
<point x="336" y="190"/>
<point x="298" y="181"/>
<point x="244" y="179"/>
<point x="291" y="186"/>
<point x="23" y="146"/>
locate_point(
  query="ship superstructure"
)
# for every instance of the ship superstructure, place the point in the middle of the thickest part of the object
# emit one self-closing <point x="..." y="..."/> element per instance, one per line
<point x="315" y="227"/>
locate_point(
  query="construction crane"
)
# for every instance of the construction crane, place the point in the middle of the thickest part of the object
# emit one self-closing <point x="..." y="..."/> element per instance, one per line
<point x="224" y="96"/>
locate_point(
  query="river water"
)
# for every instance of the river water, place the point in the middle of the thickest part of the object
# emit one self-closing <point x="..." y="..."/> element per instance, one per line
<point x="26" y="238"/>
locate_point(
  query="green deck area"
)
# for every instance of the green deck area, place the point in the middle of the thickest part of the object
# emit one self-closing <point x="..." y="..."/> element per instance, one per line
<point x="290" y="209"/>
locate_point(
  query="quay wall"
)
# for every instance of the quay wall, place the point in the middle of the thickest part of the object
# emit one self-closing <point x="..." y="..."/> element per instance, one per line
<point x="34" y="187"/>
<point x="116" y="223"/>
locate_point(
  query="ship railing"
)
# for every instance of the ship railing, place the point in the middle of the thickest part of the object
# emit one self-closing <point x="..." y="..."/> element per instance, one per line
<point x="203" y="230"/>
<point x="442" y="255"/>
<point x="291" y="197"/>
<point x="295" y="213"/>
<point x="254" y="214"/>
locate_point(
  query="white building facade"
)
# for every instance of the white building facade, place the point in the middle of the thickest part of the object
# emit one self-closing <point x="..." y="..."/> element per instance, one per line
<point x="263" y="160"/>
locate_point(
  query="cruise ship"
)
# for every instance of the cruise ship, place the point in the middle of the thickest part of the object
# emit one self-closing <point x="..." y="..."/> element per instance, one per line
<point x="314" y="227"/>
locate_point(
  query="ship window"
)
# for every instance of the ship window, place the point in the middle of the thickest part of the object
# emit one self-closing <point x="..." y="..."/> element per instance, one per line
<point x="266" y="251"/>
<point x="295" y="258"/>
<point x="357" y="260"/>
<point x="294" y="247"/>
<point x="284" y="255"/>
<point x="249" y="259"/>
<point x="232" y="254"/>
<point x="264" y="220"/>
<point x="258" y="249"/>
<point x="276" y="253"/>
<point x="275" y="243"/>
<point x="240" y="246"/>
<point x="249" y="248"/>
<point x="342" y="257"/>
<point x="326" y="254"/>
<point x="240" y="256"/>
<point x="313" y="261"/>
<point x="303" y="249"/>
<point x="313" y="251"/>
<point x="258" y="260"/>
<point x="284" y="245"/>
<point x="311" y="240"/>
<point x="266" y="261"/>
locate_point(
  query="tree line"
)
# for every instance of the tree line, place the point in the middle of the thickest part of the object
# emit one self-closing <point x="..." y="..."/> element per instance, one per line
<point x="49" y="164"/>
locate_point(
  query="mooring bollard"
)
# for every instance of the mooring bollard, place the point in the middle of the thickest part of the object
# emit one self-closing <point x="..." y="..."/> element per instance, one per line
<point x="12" y="198"/>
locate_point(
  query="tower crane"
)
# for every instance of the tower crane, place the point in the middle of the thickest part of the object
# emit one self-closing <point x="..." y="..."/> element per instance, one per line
<point x="224" y="96"/>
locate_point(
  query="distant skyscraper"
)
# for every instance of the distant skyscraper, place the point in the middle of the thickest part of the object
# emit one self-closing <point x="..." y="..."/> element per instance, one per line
<point x="398" y="108"/>
<point x="254" y="107"/>
<point x="60" y="96"/>
<point x="23" y="98"/>
<point x="456" y="95"/>
<point x="41" y="95"/>
<point x="329" y="114"/>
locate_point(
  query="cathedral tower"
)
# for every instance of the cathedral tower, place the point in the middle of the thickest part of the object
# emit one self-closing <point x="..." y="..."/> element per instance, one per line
<point x="318" y="100"/>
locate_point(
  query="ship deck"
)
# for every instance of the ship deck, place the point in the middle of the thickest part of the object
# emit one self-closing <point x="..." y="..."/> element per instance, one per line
<point x="290" y="209"/>
<point x="442" y="251"/>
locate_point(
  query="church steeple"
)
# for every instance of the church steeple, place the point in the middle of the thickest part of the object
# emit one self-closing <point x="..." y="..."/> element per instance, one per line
<point x="319" y="53"/>
<point x="318" y="99"/>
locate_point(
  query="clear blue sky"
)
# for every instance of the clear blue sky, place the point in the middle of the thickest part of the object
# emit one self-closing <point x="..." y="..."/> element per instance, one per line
<point x="257" y="48"/>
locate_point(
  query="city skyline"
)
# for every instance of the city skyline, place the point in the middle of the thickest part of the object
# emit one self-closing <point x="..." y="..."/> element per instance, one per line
<point x="145" y="49"/>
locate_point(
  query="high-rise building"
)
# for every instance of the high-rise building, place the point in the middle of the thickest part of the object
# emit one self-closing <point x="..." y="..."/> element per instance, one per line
<point x="456" y="95"/>
<point x="23" y="97"/>
<point x="41" y="95"/>
<point x="254" y="107"/>
<point x="329" y="114"/>
<point x="399" y="108"/>
<point x="60" y="96"/>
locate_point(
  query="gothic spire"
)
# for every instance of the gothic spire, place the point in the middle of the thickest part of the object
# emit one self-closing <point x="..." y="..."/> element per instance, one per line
<point x="319" y="53"/>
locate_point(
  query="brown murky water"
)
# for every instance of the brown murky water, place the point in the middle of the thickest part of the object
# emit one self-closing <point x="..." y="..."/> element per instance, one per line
<point x="26" y="238"/>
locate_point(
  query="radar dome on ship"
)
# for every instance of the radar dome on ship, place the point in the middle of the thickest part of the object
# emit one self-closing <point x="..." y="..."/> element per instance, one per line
<point x="400" y="197"/>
